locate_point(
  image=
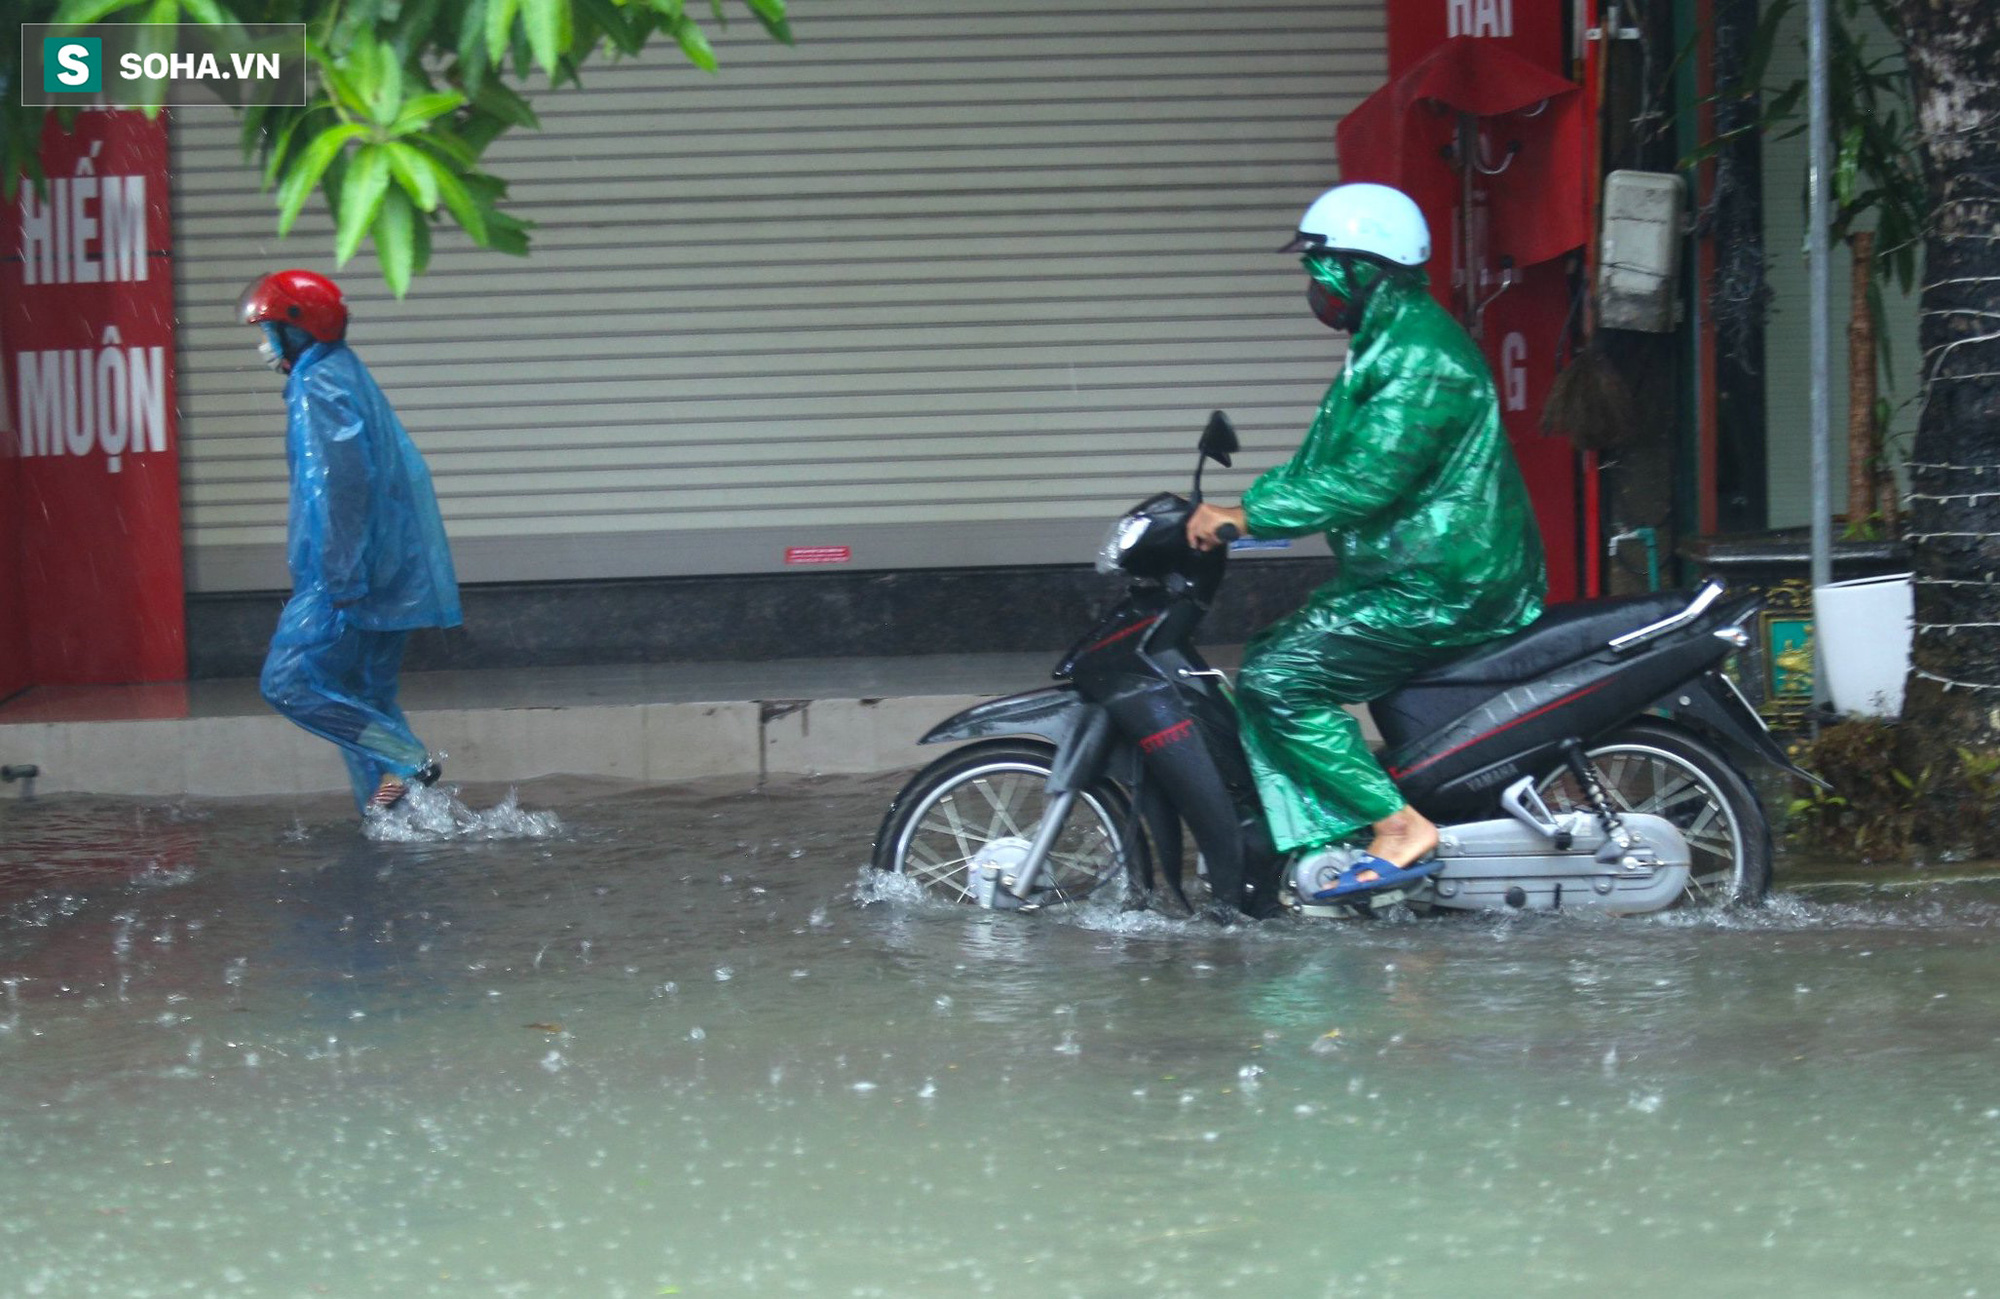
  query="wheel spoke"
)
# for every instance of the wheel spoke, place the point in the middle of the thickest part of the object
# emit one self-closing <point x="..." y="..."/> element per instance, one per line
<point x="1078" y="863"/>
<point x="956" y="828"/>
<point x="941" y="872"/>
<point x="1696" y="833"/>
<point x="935" y="865"/>
<point x="1003" y="822"/>
<point x="1643" y="779"/>
<point x="1659" y="800"/>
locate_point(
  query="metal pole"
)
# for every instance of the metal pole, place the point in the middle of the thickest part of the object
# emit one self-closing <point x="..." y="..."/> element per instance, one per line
<point x="1819" y="309"/>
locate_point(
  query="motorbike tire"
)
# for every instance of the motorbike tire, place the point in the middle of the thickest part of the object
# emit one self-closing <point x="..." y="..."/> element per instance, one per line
<point x="1103" y="810"/>
<point x="1653" y="746"/>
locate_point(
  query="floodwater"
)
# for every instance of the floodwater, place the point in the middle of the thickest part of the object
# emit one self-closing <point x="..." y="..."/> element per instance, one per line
<point x="668" y="1042"/>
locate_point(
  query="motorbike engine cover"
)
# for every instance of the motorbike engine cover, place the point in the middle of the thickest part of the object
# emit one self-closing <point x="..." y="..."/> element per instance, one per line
<point x="1503" y="865"/>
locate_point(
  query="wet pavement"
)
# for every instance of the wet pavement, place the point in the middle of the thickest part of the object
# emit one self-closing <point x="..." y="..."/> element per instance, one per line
<point x="622" y="1041"/>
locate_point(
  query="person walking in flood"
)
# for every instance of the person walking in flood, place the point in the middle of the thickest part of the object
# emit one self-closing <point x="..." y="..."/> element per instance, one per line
<point x="1408" y="473"/>
<point x="365" y="543"/>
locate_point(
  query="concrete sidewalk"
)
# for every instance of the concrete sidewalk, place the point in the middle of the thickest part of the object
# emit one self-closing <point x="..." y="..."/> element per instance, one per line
<point x="651" y="723"/>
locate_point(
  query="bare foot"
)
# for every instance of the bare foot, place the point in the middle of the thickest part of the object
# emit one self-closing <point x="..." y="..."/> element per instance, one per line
<point x="1404" y="837"/>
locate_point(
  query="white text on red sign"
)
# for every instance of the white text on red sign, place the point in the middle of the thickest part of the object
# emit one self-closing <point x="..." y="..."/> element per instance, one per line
<point x="91" y="229"/>
<point x="1479" y="17"/>
<point x="111" y="399"/>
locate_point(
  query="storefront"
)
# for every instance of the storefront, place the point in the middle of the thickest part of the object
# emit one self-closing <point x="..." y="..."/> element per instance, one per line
<point x="931" y="289"/>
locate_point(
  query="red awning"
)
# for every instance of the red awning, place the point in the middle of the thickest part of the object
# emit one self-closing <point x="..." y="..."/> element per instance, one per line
<point x="1402" y="135"/>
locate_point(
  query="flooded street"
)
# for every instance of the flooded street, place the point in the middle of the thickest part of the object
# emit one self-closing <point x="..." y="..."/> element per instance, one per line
<point x="641" y="1042"/>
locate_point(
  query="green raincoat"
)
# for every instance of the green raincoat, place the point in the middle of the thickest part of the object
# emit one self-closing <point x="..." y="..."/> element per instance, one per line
<point x="1408" y="473"/>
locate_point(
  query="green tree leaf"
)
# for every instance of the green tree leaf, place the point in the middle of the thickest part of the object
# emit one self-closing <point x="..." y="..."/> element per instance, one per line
<point x="507" y="234"/>
<point x="771" y="13"/>
<point x="693" y="43"/>
<point x="447" y="147"/>
<point x="1846" y="162"/>
<point x="361" y="198"/>
<point x="419" y="111"/>
<point x="471" y="50"/>
<point x="465" y="209"/>
<point x="395" y="240"/>
<point x="81" y="13"/>
<point x="503" y="103"/>
<point x="415" y="172"/>
<point x="306" y="172"/>
<point x="499" y="28"/>
<point x="387" y="100"/>
<point x="420" y="246"/>
<point x="281" y="149"/>
<point x="343" y="87"/>
<point x="549" y="31"/>
<point x="208" y="13"/>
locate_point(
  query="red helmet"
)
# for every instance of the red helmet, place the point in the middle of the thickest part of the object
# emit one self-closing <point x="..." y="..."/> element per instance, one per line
<point x="303" y="298"/>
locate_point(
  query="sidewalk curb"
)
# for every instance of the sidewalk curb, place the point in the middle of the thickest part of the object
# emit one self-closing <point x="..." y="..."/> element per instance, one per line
<point x="653" y="743"/>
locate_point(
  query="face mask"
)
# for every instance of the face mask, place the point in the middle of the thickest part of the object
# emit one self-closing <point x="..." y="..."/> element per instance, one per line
<point x="1340" y="290"/>
<point x="270" y="353"/>
<point x="1331" y="311"/>
<point x="283" y="345"/>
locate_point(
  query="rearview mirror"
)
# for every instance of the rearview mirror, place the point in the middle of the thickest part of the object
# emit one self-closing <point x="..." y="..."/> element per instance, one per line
<point x="1218" y="440"/>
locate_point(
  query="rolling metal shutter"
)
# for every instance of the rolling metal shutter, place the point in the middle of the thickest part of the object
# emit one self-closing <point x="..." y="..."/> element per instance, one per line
<point x="946" y="284"/>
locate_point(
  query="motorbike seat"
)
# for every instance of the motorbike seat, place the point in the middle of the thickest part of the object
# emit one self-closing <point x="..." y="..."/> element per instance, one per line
<point x="1563" y="634"/>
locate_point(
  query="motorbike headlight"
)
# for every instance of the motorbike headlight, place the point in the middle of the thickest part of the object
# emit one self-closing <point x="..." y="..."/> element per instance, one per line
<point x="1124" y="535"/>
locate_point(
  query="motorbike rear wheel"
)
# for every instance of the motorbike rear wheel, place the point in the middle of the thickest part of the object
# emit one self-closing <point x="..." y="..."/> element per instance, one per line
<point x="991" y="797"/>
<point x="1669" y="772"/>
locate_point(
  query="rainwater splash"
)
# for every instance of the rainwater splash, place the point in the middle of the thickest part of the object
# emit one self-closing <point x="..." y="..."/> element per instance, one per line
<point x="429" y="814"/>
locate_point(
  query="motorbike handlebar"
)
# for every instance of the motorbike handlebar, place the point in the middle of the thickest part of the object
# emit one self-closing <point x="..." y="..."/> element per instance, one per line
<point x="1227" y="533"/>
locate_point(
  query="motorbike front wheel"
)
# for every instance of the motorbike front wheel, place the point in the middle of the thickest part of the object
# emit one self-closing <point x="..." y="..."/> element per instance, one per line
<point x="987" y="800"/>
<point x="1664" y="770"/>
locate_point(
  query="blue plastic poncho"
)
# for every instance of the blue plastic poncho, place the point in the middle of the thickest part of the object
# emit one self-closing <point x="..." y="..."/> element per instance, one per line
<point x="369" y="562"/>
<point x="365" y="527"/>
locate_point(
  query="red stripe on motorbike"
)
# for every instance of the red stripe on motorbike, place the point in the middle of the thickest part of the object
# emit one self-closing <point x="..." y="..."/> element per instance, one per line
<point x="1121" y="635"/>
<point x="1161" y="739"/>
<point x="1508" y="726"/>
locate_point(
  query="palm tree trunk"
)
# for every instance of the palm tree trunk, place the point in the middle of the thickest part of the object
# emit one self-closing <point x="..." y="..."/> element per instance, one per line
<point x="1953" y="49"/>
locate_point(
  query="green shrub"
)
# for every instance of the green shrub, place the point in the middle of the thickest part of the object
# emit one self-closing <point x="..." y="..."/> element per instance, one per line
<point x="1884" y="807"/>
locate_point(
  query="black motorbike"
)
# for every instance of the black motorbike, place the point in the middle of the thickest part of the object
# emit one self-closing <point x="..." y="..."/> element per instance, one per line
<point x="1585" y="761"/>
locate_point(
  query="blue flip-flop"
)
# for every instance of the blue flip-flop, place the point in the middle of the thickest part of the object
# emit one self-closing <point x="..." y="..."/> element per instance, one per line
<point x="1371" y="874"/>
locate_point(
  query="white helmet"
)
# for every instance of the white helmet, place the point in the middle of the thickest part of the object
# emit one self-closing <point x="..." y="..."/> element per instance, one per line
<point x="1373" y="220"/>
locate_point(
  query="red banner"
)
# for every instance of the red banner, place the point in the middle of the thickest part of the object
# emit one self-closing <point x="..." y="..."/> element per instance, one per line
<point x="87" y="319"/>
<point x="13" y="616"/>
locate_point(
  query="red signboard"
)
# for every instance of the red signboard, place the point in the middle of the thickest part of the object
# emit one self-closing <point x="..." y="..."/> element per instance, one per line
<point x="87" y="319"/>
<point x="13" y="617"/>
<point x="1529" y="28"/>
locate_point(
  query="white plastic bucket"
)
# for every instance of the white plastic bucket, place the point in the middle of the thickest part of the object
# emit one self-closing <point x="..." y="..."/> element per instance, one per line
<point x="1864" y="628"/>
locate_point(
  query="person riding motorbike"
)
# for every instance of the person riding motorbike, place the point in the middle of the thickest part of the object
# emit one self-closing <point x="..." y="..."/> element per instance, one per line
<point x="365" y="542"/>
<point x="1408" y="473"/>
